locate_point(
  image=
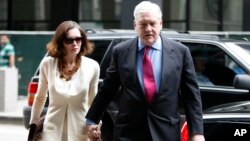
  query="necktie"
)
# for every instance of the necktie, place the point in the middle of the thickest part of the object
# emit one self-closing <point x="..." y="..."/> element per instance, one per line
<point x="148" y="76"/>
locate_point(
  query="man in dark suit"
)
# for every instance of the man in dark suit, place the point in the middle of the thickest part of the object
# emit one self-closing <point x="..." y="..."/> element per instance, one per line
<point x="149" y="91"/>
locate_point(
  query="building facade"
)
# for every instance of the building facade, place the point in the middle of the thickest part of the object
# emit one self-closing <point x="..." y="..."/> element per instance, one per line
<point x="180" y="15"/>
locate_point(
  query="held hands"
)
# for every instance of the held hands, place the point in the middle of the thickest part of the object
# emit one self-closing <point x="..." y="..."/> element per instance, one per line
<point x="94" y="132"/>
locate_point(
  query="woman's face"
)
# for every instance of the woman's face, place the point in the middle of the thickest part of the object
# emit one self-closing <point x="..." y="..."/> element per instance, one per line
<point x="73" y="42"/>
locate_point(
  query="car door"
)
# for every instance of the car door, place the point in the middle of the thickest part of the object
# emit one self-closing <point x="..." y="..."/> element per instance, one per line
<point x="226" y="129"/>
<point x="216" y="70"/>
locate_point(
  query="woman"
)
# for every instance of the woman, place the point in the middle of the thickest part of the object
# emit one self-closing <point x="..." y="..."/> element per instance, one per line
<point x="71" y="80"/>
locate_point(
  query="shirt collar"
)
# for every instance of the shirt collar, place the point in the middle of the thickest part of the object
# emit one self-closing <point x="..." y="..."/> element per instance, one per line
<point x="157" y="45"/>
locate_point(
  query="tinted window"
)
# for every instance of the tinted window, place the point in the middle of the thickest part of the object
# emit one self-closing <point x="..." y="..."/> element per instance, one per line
<point x="213" y="65"/>
<point x="100" y="47"/>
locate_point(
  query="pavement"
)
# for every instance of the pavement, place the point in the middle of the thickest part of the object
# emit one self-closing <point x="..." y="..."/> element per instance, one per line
<point x="17" y="114"/>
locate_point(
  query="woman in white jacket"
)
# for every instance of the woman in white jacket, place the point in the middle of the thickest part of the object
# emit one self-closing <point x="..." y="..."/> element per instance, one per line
<point x="71" y="80"/>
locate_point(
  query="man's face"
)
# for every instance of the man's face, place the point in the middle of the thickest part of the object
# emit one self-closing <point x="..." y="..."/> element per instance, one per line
<point x="3" y="40"/>
<point x="148" y="26"/>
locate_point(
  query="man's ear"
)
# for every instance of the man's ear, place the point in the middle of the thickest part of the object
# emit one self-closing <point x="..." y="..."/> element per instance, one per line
<point x="161" y="23"/>
<point x="134" y="24"/>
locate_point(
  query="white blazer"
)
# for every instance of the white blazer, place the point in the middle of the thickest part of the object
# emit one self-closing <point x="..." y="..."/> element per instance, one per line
<point x="68" y="100"/>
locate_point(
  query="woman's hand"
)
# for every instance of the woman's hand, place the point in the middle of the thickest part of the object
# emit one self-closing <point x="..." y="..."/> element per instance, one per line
<point x="94" y="132"/>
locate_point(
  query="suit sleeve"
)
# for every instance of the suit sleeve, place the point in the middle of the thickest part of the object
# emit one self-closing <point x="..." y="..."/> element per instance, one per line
<point x="191" y="95"/>
<point x="106" y="92"/>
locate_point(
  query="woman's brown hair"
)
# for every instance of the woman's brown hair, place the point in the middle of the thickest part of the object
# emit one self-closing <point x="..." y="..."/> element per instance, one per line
<point x="55" y="46"/>
<point x="56" y="49"/>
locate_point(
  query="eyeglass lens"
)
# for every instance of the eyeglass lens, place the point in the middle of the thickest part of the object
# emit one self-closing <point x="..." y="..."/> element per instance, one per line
<point x="71" y="40"/>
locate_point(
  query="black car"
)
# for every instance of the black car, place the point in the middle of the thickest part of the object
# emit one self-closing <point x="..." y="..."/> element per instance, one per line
<point x="222" y="59"/>
<point x="227" y="122"/>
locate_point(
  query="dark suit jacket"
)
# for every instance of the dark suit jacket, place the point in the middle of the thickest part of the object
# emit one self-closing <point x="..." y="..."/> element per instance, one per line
<point x="136" y="119"/>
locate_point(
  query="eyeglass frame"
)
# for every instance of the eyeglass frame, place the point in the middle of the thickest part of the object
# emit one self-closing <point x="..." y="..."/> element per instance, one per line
<point x="70" y="41"/>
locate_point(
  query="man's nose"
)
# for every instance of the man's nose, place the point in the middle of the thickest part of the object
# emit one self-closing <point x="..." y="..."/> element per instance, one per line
<point x="148" y="27"/>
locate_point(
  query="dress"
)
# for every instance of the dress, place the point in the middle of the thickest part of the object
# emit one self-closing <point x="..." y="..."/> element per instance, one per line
<point x="69" y="100"/>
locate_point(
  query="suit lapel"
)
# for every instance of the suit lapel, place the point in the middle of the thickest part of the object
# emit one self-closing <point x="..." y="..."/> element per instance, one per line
<point x="131" y="56"/>
<point x="167" y="61"/>
<point x="132" y="62"/>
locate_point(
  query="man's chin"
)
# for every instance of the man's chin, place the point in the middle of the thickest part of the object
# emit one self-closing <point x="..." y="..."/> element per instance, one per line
<point x="149" y="41"/>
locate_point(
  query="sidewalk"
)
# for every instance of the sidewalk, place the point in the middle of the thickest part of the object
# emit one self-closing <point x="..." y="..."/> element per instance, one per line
<point x="17" y="114"/>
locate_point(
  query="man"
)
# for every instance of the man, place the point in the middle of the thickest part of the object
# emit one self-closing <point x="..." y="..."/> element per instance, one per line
<point x="7" y="53"/>
<point x="149" y="90"/>
<point x="199" y="60"/>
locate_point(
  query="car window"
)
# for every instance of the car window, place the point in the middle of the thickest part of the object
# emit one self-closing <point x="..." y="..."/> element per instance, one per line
<point x="213" y="66"/>
<point x="100" y="47"/>
<point x="104" y="64"/>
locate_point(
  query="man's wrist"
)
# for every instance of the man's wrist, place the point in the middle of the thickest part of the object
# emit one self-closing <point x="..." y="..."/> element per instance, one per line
<point x="90" y="122"/>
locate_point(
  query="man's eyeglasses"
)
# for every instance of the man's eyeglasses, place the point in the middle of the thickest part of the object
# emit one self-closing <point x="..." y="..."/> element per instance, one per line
<point x="71" y="40"/>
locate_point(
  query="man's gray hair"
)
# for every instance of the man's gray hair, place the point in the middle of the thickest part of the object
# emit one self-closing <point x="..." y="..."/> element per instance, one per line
<point x="147" y="6"/>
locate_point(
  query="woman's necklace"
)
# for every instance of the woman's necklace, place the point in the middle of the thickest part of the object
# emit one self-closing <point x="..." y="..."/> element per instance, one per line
<point x="69" y="70"/>
<point x="70" y="66"/>
<point x="67" y="73"/>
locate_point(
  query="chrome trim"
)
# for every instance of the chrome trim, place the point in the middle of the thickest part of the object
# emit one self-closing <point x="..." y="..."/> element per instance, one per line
<point x="226" y="115"/>
<point x="223" y="89"/>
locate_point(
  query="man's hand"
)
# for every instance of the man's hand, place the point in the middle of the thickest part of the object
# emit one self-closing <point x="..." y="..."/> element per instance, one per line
<point x="94" y="132"/>
<point x="197" y="138"/>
